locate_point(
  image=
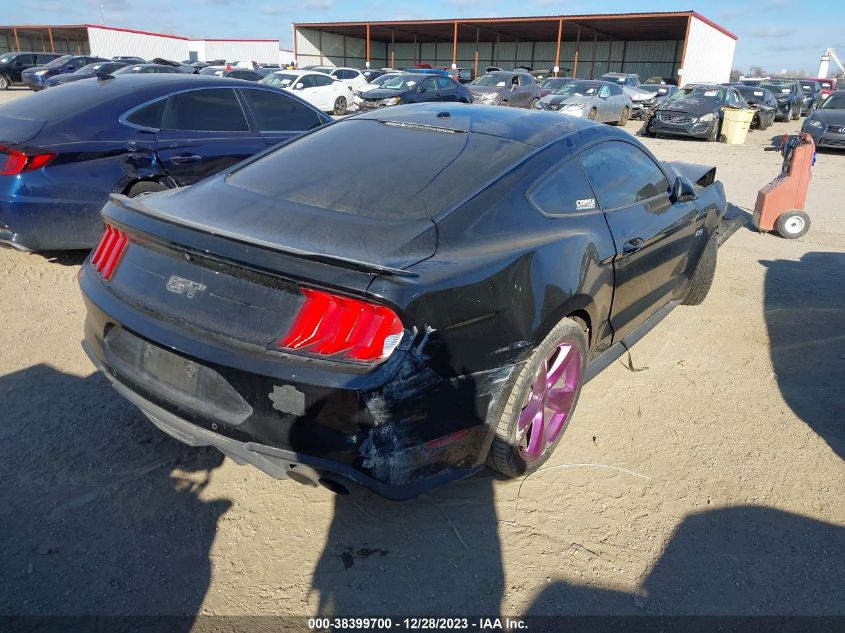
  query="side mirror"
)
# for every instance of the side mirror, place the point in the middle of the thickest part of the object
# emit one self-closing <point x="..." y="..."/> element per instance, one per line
<point x="299" y="86"/>
<point x="683" y="190"/>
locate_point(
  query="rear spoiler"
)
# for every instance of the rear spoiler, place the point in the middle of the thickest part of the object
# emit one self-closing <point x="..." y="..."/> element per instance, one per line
<point x="136" y="205"/>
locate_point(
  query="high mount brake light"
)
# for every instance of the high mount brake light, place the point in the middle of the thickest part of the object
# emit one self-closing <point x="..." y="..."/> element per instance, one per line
<point x="333" y="326"/>
<point x="15" y="161"/>
<point x="111" y="248"/>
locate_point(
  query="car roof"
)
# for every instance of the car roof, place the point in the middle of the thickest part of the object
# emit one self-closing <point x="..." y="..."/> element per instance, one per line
<point x="530" y="127"/>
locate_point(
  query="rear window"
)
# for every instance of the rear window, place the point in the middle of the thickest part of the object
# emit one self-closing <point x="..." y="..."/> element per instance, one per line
<point x="389" y="181"/>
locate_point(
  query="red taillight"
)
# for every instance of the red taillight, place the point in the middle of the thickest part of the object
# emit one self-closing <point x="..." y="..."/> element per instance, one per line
<point x="108" y="253"/>
<point x="15" y="161"/>
<point x="330" y="325"/>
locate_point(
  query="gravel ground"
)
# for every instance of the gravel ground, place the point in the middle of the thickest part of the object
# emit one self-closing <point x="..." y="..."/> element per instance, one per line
<point x="708" y="481"/>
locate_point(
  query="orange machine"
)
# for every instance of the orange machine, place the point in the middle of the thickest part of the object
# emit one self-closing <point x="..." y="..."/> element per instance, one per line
<point x="780" y="204"/>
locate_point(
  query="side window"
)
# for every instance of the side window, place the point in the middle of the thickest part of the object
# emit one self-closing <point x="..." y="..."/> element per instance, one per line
<point x="308" y="81"/>
<point x="615" y="90"/>
<point x="216" y="110"/>
<point x="149" y="115"/>
<point x="317" y="80"/>
<point x="563" y="190"/>
<point x="525" y="80"/>
<point x="429" y="84"/>
<point x="344" y="74"/>
<point x="28" y="59"/>
<point x="77" y="63"/>
<point x="622" y="174"/>
<point x="604" y="91"/>
<point x="275" y="112"/>
<point x="444" y="83"/>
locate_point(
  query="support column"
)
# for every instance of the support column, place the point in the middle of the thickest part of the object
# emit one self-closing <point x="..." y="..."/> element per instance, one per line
<point x="625" y="52"/>
<point x="17" y="41"/>
<point x="477" y="36"/>
<point x="593" y="56"/>
<point x="557" y="52"/>
<point x="455" y="47"/>
<point x="295" y="55"/>
<point x="497" y="50"/>
<point x="609" y="54"/>
<point x="680" y="76"/>
<point x="577" y="50"/>
<point x="368" y="46"/>
<point x="320" y="45"/>
<point x="392" y="49"/>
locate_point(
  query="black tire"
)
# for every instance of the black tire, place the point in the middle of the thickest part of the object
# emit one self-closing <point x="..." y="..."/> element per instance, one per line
<point x="504" y="103"/>
<point x="797" y="114"/>
<point x="755" y="123"/>
<point x="144" y="187"/>
<point x="593" y="114"/>
<point x="626" y="114"/>
<point x="4" y="82"/>
<point x="702" y="276"/>
<point x="339" y="106"/>
<point x="793" y="224"/>
<point x="504" y="453"/>
<point x="533" y="104"/>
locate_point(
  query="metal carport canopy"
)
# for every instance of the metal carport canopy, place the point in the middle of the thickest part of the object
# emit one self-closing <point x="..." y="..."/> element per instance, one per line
<point x="623" y="26"/>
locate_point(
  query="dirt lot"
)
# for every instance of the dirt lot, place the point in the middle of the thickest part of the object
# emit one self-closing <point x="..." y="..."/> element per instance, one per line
<point x="709" y="481"/>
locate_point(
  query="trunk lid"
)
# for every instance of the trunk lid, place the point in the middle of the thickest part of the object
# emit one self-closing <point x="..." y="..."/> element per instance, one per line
<point x="15" y="131"/>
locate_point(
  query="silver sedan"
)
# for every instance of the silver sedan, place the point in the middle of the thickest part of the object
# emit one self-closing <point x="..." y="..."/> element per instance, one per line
<point x="595" y="100"/>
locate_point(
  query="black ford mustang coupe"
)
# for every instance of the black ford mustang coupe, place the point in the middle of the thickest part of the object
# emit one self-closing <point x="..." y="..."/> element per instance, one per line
<point x="402" y="326"/>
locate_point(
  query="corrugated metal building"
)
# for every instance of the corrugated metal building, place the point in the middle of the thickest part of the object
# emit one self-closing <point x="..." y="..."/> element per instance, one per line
<point x="683" y="46"/>
<point x="109" y="41"/>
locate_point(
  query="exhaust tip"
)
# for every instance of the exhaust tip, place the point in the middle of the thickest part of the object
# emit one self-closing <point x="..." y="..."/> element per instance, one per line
<point x="332" y="484"/>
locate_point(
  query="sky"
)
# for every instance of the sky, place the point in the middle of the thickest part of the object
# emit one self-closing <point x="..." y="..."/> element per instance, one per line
<point x="773" y="34"/>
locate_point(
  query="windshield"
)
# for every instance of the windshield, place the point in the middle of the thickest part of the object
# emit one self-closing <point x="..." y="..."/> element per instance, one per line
<point x="750" y="92"/>
<point x="379" y="81"/>
<point x="5" y="59"/>
<point x="778" y="89"/>
<point x="89" y="69"/>
<point x="400" y="83"/>
<point x="618" y="80"/>
<point x="580" y="89"/>
<point x="808" y="87"/>
<point x="495" y="79"/>
<point x="698" y="93"/>
<point x="553" y="83"/>
<point x="834" y="102"/>
<point x="59" y="62"/>
<point x="281" y="80"/>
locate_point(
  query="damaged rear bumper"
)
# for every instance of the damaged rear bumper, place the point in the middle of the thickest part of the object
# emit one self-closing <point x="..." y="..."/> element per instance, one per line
<point x="400" y="432"/>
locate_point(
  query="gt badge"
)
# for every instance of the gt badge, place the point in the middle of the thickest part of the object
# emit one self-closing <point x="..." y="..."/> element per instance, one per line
<point x="182" y="286"/>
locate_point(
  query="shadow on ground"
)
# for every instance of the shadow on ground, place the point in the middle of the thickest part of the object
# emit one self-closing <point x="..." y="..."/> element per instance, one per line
<point x="101" y="511"/>
<point x="736" y="561"/>
<point x="805" y="316"/>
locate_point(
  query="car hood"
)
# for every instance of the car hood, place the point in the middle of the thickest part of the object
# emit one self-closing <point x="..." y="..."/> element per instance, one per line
<point x="217" y="207"/>
<point x="383" y="93"/>
<point x="561" y="99"/>
<point x="829" y="117"/>
<point x="638" y="95"/>
<point x="696" y="106"/>
<point x="480" y="90"/>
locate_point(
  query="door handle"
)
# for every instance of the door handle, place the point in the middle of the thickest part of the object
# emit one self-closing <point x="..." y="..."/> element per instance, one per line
<point x="632" y="246"/>
<point x="184" y="159"/>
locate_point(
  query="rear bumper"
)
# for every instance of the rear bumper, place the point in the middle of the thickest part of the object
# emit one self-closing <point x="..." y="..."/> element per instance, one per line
<point x="399" y="430"/>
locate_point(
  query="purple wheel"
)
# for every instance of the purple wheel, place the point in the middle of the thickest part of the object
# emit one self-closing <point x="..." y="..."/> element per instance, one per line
<point x="551" y="400"/>
<point x="542" y="401"/>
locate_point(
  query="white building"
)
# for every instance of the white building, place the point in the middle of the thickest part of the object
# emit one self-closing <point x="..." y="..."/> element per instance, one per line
<point x="109" y="41"/>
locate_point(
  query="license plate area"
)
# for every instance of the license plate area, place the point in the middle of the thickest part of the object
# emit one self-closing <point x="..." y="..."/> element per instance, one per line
<point x="186" y="383"/>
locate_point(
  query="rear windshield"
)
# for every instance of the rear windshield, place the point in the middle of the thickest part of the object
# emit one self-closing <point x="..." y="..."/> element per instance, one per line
<point x="282" y="80"/>
<point x="389" y="181"/>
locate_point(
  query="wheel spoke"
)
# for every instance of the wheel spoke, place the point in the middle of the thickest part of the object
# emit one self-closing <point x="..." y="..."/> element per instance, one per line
<point x="537" y="441"/>
<point x="560" y="400"/>
<point x="529" y="414"/>
<point x="540" y="383"/>
<point x="559" y="364"/>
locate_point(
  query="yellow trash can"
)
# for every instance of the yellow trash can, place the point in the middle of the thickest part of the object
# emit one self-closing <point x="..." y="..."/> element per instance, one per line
<point x="736" y="124"/>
